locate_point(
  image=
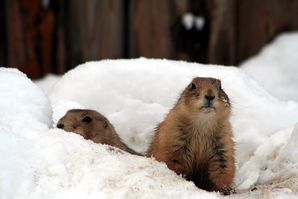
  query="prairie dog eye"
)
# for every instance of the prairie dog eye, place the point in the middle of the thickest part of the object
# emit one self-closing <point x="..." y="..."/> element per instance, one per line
<point x="87" y="119"/>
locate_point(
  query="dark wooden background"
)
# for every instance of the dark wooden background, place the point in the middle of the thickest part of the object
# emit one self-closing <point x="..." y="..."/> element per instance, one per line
<point x="53" y="36"/>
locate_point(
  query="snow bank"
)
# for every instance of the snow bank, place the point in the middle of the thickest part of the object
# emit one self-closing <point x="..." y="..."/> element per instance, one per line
<point x="47" y="83"/>
<point x="38" y="162"/>
<point x="25" y="113"/>
<point x="135" y="95"/>
<point x="22" y="103"/>
<point x="275" y="67"/>
<point x="70" y="167"/>
<point x="144" y="90"/>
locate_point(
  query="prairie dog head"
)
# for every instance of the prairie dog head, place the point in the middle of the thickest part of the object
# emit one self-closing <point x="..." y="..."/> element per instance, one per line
<point x="87" y="123"/>
<point x="206" y="96"/>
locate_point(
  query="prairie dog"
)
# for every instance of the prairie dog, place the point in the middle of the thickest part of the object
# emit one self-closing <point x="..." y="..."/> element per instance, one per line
<point x="92" y="126"/>
<point x="195" y="138"/>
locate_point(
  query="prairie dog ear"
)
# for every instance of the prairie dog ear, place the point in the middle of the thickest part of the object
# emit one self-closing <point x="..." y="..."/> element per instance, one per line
<point x="192" y="86"/>
<point x="105" y="124"/>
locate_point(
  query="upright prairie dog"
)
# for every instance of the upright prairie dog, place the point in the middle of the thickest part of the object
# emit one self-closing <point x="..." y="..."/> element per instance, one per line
<point x="195" y="139"/>
<point x="92" y="126"/>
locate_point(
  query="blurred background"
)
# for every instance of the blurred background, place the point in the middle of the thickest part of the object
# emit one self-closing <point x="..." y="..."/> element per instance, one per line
<point x="52" y="36"/>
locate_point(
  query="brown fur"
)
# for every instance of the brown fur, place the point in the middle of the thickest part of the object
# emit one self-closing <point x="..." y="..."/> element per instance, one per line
<point x="195" y="139"/>
<point x="92" y="126"/>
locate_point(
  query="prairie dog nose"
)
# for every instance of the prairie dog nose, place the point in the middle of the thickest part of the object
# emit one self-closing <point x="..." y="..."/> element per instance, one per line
<point x="60" y="126"/>
<point x="209" y="97"/>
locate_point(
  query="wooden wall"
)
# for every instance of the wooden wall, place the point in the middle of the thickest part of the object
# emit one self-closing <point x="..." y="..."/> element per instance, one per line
<point x="43" y="36"/>
<point x="2" y="34"/>
<point x="260" y="20"/>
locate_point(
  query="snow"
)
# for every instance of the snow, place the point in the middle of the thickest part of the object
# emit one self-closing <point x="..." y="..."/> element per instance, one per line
<point x="45" y="3"/>
<point x="47" y="82"/>
<point x="199" y="22"/>
<point x="16" y="89"/>
<point x="190" y="20"/>
<point x="40" y="161"/>
<point x="275" y="67"/>
<point x="25" y="113"/>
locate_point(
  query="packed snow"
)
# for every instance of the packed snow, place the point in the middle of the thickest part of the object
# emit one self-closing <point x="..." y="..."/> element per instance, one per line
<point x="47" y="82"/>
<point x="41" y="161"/>
<point x="276" y="67"/>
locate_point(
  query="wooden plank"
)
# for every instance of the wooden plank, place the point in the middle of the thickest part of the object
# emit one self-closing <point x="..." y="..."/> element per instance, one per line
<point x="2" y="34"/>
<point x="260" y="21"/>
<point x="15" y="39"/>
<point x="30" y="32"/>
<point x="150" y="24"/>
<point x="59" y="54"/>
<point x="94" y="30"/>
<point x="222" y="43"/>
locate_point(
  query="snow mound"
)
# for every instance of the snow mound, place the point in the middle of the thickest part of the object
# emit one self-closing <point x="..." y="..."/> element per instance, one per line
<point x="66" y="166"/>
<point x="47" y="82"/>
<point x="22" y="102"/>
<point x="25" y="113"/>
<point x="136" y="94"/>
<point x="275" y="67"/>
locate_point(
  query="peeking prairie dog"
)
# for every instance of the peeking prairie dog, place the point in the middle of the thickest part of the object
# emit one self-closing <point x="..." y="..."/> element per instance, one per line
<point x="195" y="138"/>
<point x="92" y="126"/>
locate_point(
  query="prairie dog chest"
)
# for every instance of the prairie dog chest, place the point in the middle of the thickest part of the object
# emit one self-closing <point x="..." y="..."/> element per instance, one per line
<point x="199" y="148"/>
<point x="195" y="147"/>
